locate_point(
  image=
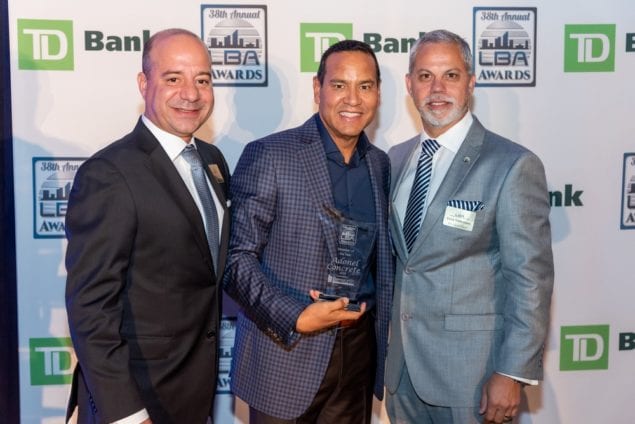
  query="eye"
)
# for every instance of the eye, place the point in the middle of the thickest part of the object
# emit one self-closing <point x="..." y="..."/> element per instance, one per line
<point x="171" y="80"/>
<point x="424" y="76"/>
<point x="203" y="81"/>
<point x="366" y="87"/>
<point x="337" y="85"/>
<point x="453" y="76"/>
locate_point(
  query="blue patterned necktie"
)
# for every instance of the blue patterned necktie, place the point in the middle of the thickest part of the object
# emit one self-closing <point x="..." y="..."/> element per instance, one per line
<point x="417" y="199"/>
<point x="207" y="202"/>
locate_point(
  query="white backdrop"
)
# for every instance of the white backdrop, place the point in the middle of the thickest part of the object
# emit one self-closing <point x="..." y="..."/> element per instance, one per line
<point x="573" y="107"/>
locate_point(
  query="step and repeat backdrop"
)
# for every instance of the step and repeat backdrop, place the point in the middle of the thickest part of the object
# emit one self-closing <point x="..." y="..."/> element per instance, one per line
<point x="555" y="76"/>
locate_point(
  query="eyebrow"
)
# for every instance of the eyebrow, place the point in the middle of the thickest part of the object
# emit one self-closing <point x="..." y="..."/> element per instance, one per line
<point x="369" y="81"/>
<point x="169" y="72"/>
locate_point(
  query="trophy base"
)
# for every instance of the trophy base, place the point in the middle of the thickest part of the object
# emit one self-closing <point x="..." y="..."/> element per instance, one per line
<point x="352" y="306"/>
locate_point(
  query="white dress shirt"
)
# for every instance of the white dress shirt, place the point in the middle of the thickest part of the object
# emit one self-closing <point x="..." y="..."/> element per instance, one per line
<point x="173" y="146"/>
<point x="450" y="142"/>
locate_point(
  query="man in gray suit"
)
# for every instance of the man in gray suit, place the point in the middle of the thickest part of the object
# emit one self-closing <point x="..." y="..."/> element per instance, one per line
<point x="474" y="263"/>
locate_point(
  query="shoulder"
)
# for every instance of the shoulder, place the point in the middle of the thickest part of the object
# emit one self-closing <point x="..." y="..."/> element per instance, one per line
<point x="403" y="149"/>
<point x="505" y="150"/>
<point x="379" y="155"/>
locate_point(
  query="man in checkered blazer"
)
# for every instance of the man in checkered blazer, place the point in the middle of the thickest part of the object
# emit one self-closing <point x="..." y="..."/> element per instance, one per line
<point x="296" y="359"/>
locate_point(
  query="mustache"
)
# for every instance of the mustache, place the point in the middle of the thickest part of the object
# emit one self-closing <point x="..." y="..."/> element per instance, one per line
<point x="439" y="98"/>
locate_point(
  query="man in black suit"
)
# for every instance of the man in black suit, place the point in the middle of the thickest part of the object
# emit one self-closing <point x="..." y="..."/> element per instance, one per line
<point x="146" y="249"/>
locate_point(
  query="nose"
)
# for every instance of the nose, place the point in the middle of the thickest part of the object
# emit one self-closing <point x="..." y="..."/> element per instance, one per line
<point x="437" y="85"/>
<point x="352" y="96"/>
<point x="189" y="91"/>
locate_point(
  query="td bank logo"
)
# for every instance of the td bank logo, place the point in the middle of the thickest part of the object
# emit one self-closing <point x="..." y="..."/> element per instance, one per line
<point x="589" y="48"/>
<point x="584" y="347"/>
<point x="51" y="361"/>
<point x="45" y="45"/>
<point x="316" y="38"/>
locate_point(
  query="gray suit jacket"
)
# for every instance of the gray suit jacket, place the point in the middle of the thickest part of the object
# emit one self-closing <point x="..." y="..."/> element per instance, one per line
<point x="469" y="303"/>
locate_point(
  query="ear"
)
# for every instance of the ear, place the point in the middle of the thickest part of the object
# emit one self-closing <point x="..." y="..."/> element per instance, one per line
<point x="472" y="84"/>
<point x="408" y="84"/>
<point x="316" y="90"/>
<point x="142" y="83"/>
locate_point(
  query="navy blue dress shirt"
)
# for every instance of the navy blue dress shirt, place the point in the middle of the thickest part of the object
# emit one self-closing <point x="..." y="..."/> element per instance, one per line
<point x="352" y="193"/>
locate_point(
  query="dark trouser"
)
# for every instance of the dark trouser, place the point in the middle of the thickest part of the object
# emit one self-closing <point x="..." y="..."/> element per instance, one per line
<point x="345" y="395"/>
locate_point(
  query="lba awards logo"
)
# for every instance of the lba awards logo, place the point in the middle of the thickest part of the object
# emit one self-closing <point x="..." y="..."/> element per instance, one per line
<point x="236" y="37"/>
<point x="226" y="349"/>
<point x="505" y="46"/>
<point x="628" y="193"/>
<point x="52" y="181"/>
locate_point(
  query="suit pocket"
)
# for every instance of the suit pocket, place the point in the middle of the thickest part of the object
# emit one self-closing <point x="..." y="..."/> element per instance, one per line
<point x="473" y="322"/>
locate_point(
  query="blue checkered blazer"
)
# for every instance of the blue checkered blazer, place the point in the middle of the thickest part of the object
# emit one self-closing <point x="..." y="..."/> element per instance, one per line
<point x="279" y="250"/>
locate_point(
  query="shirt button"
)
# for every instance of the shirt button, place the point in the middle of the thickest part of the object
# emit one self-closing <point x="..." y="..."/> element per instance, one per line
<point x="405" y="316"/>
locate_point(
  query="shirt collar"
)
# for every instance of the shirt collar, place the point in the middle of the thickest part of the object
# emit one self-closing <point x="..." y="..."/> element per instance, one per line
<point x="453" y="137"/>
<point x="172" y="144"/>
<point x="329" y="145"/>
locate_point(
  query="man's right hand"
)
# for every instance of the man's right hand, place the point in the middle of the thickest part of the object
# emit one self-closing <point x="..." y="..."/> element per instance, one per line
<point x="320" y="315"/>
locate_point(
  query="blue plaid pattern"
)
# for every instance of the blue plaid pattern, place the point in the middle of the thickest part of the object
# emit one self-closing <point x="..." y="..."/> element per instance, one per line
<point x="468" y="205"/>
<point x="279" y="250"/>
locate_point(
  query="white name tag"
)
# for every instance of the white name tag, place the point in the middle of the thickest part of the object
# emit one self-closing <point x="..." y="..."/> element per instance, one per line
<point x="459" y="218"/>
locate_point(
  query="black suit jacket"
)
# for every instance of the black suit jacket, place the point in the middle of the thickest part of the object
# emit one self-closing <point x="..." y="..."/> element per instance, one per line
<point x="142" y="294"/>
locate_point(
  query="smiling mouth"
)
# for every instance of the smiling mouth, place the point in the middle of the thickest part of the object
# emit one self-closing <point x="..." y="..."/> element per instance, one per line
<point x="351" y="114"/>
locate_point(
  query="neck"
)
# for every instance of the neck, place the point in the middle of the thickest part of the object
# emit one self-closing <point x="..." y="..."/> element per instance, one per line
<point x="346" y="148"/>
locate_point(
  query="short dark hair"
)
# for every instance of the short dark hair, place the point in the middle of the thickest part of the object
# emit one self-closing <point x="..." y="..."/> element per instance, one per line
<point x="346" y="46"/>
<point x="146" y="63"/>
<point x="442" y="36"/>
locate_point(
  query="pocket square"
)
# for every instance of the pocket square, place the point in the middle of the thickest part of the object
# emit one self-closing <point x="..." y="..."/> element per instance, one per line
<point x="467" y="205"/>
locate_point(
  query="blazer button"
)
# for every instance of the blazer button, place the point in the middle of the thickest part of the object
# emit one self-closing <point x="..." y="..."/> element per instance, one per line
<point x="408" y="270"/>
<point x="211" y="334"/>
<point x="405" y="316"/>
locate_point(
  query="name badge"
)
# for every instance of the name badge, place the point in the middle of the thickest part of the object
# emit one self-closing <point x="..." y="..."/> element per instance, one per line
<point x="459" y="218"/>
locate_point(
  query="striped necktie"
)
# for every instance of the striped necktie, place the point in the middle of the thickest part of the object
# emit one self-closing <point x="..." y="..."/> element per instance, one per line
<point x="207" y="202"/>
<point x="417" y="199"/>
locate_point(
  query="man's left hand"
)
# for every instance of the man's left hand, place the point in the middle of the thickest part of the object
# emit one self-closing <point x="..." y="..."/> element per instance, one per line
<point x="500" y="399"/>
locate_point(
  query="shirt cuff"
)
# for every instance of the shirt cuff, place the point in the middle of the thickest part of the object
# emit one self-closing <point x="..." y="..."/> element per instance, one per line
<point x="520" y="379"/>
<point x="136" y="418"/>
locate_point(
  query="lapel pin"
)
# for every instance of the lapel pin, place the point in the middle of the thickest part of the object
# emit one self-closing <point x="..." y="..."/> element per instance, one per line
<point x="215" y="170"/>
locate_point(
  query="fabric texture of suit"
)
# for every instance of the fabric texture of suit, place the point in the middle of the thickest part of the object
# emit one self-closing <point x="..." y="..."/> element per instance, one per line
<point x="279" y="250"/>
<point x="142" y="295"/>
<point x="469" y="303"/>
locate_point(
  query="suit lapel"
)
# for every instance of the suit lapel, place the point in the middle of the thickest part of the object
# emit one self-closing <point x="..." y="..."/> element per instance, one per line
<point x="379" y="199"/>
<point x="220" y="188"/>
<point x="165" y="172"/>
<point x="313" y="159"/>
<point x="396" y="227"/>
<point x="463" y="162"/>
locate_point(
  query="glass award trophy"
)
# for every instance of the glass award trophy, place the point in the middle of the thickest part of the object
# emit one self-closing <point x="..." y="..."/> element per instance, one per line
<point x="349" y="269"/>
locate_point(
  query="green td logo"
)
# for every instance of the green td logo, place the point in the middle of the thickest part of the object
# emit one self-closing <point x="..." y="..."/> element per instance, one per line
<point x="584" y="347"/>
<point x="589" y="48"/>
<point x="51" y="361"/>
<point x="45" y="45"/>
<point x="316" y="38"/>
